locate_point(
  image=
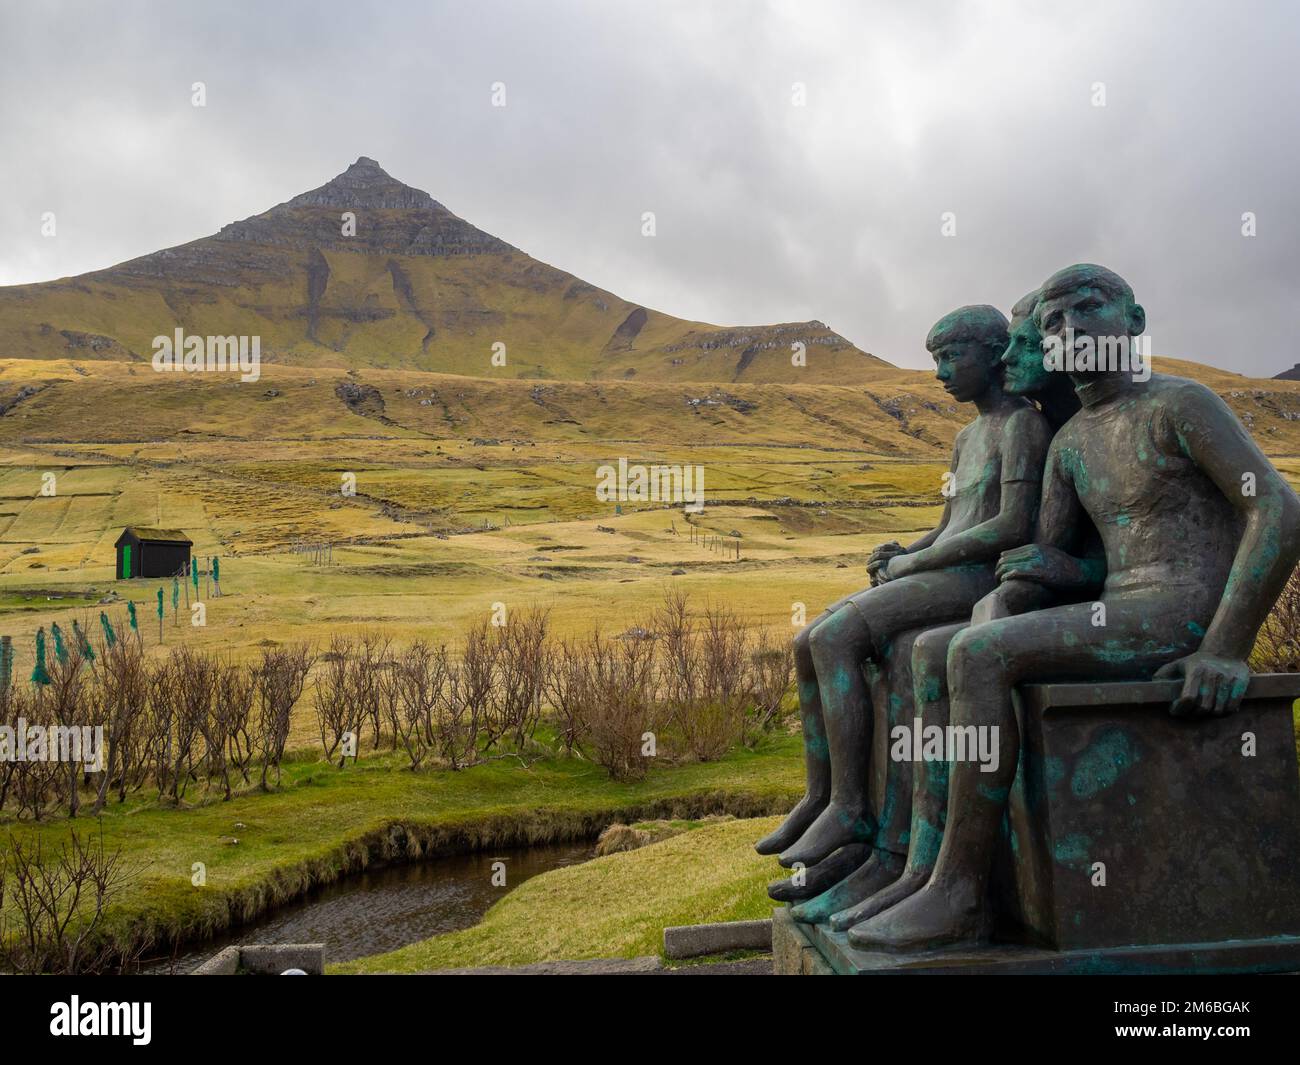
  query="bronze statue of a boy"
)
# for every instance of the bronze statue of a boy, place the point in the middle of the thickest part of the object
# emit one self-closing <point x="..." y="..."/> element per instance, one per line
<point x="993" y="495"/>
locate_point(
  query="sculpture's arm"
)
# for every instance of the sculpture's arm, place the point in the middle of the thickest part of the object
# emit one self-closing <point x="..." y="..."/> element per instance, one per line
<point x="1050" y="560"/>
<point x="892" y="548"/>
<point x="1207" y="432"/>
<point x="1026" y="438"/>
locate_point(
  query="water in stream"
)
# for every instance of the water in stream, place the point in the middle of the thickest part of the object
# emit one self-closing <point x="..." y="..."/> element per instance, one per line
<point x="383" y="909"/>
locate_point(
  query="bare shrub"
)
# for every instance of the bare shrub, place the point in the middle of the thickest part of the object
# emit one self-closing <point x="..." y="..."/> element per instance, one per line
<point x="520" y="677"/>
<point x="33" y="783"/>
<point x="416" y="690"/>
<point x="619" y="706"/>
<point x="66" y="708"/>
<point x="338" y="714"/>
<point x="236" y="694"/>
<point x="771" y="668"/>
<point x="566" y="689"/>
<point x="227" y="733"/>
<point x="121" y="695"/>
<point x="52" y="902"/>
<point x="281" y="675"/>
<point x="366" y="680"/>
<point x="471" y="692"/>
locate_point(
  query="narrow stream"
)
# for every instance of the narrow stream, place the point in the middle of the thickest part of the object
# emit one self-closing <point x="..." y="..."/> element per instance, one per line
<point x="383" y="909"/>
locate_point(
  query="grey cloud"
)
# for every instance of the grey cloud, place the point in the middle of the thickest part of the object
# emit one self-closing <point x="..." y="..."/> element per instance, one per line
<point x="766" y="212"/>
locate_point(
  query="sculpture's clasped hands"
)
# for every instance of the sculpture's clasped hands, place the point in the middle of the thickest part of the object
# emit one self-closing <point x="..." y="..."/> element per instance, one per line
<point x="879" y="558"/>
<point x="1212" y="684"/>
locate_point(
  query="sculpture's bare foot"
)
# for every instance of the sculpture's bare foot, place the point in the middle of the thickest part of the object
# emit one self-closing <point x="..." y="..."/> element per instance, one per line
<point x="795" y="825"/>
<point x="936" y="916"/>
<point x="836" y="827"/>
<point x="890" y="895"/>
<point x="880" y="869"/>
<point x="823" y="875"/>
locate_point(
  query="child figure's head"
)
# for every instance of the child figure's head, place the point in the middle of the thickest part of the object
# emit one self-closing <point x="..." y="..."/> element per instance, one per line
<point x="967" y="345"/>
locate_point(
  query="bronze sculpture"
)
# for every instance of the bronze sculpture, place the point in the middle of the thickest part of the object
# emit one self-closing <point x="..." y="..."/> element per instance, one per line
<point x="1199" y="533"/>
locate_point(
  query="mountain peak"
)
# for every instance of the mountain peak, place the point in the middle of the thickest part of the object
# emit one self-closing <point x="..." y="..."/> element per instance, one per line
<point x="365" y="184"/>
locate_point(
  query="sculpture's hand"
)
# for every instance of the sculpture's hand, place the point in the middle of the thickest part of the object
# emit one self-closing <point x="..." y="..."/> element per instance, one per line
<point x="881" y="555"/>
<point x="1042" y="564"/>
<point x="1211" y="684"/>
<point x="885" y="551"/>
<point x="894" y="567"/>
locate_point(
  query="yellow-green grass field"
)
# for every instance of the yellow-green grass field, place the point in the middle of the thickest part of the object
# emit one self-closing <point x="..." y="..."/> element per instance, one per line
<point x="469" y="492"/>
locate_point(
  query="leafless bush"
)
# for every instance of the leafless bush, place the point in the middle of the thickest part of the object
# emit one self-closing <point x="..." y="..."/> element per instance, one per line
<point x="66" y="707"/>
<point x="472" y="685"/>
<point x="566" y="688"/>
<point x="235" y="696"/>
<point x="416" y="689"/>
<point x="338" y="714"/>
<point x="121" y="694"/>
<point x="52" y="902"/>
<point x="367" y="679"/>
<point x="281" y="674"/>
<point x="231" y="708"/>
<point x="771" y="672"/>
<point x="619" y="706"/>
<point x="520" y="677"/>
<point x="32" y="782"/>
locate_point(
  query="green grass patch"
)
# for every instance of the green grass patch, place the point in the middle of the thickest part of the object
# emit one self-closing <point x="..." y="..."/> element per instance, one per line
<point x="260" y="850"/>
<point x="611" y="907"/>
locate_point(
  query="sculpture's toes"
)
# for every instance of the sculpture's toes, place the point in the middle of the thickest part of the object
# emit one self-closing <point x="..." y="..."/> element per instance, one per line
<point x="834" y="828"/>
<point x="795" y="825"/>
<point x="819" y="909"/>
<point x="923" y="921"/>
<point x="889" y="895"/>
<point x="809" y="882"/>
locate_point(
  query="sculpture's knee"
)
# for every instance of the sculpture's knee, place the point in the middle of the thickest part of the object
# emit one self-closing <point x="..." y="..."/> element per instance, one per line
<point x="975" y="660"/>
<point x="843" y="635"/>
<point x="802" y="652"/>
<point x="930" y="666"/>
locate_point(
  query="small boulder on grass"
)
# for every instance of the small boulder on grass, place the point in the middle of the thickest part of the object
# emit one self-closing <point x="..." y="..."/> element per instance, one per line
<point x="619" y="837"/>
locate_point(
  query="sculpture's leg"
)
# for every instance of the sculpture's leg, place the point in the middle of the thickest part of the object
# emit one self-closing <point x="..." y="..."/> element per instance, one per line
<point x="805" y="883"/>
<point x="892" y="696"/>
<point x="985" y="662"/>
<point x="817" y="763"/>
<point x="929" y="807"/>
<point x="839" y="645"/>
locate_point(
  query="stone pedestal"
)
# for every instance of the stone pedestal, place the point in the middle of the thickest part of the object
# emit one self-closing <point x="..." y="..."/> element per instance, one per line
<point x="1135" y="841"/>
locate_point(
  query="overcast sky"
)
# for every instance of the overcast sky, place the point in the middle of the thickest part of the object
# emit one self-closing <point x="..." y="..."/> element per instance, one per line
<point x="766" y="211"/>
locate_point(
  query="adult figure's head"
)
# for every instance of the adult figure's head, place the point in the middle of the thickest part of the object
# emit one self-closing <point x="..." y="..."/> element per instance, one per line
<point x="967" y="345"/>
<point x="1087" y="305"/>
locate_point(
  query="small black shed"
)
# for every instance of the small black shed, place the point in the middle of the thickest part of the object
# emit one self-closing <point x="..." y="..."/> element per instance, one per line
<point x="145" y="552"/>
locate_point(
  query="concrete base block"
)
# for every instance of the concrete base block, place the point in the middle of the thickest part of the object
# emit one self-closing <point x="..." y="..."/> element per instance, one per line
<point x="698" y="940"/>
<point x="265" y="960"/>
